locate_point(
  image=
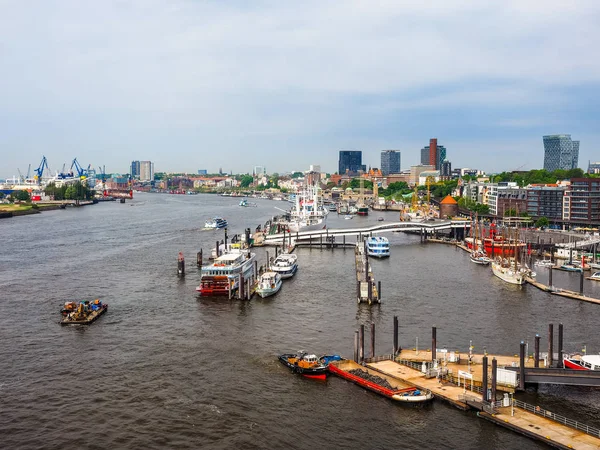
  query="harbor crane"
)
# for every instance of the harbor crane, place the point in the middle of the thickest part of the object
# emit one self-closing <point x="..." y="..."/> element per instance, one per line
<point x="40" y="170"/>
<point x="81" y="172"/>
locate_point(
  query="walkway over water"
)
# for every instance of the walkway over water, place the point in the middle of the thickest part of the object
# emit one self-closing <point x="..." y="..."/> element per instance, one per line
<point x="428" y="227"/>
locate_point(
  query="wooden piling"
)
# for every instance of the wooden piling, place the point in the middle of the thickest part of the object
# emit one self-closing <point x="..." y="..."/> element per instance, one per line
<point x="356" y="347"/>
<point x="560" y="346"/>
<point x="344" y="241"/>
<point x="395" y="335"/>
<point x="522" y="367"/>
<point x="494" y="378"/>
<point x="217" y="250"/>
<point x="255" y="269"/>
<point x="379" y="290"/>
<point x="433" y="343"/>
<point x="225" y="240"/>
<point x="361" y="349"/>
<point x="550" y="270"/>
<point x="199" y="258"/>
<point x="536" y="355"/>
<point x="241" y="287"/>
<point x="276" y="251"/>
<point x="550" y="344"/>
<point x="581" y="281"/>
<point x="321" y="241"/>
<point x="484" y="379"/>
<point x="373" y="340"/>
<point x="180" y="264"/>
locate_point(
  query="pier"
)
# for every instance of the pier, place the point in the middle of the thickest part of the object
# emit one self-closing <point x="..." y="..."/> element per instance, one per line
<point x="469" y="382"/>
<point x="366" y="288"/>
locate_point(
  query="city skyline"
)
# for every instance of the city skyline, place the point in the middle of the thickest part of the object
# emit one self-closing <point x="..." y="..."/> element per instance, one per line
<point x="192" y="85"/>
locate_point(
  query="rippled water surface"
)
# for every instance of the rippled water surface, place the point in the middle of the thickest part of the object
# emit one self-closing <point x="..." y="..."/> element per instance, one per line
<point x="167" y="369"/>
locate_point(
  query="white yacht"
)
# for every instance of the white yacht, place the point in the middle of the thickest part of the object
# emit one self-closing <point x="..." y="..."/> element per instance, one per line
<point x="215" y="223"/>
<point x="269" y="284"/>
<point x="285" y="265"/>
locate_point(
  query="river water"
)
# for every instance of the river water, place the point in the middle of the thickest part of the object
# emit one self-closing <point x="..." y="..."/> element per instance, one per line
<point x="165" y="368"/>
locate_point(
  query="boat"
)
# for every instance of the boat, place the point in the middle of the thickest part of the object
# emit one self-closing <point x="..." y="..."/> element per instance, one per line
<point x="362" y="209"/>
<point x="222" y="276"/>
<point x="348" y="217"/>
<point x="83" y="313"/>
<point x="246" y="204"/>
<point x="307" y="365"/>
<point x="308" y="213"/>
<point x="269" y="284"/>
<point x="380" y="219"/>
<point x="586" y="362"/>
<point x="328" y="359"/>
<point x="595" y="276"/>
<point x="495" y="244"/>
<point x="380" y="383"/>
<point x="215" y="223"/>
<point x="378" y="246"/>
<point x="479" y="257"/>
<point x="285" y="265"/>
<point x="544" y="263"/>
<point x="568" y="268"/>
<point x="332" y="207"/>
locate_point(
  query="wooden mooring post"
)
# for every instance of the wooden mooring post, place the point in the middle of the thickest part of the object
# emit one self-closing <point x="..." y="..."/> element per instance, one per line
<point x="433" y="342"/>
<point x="550" y="344"/>
<point x="361" y="349"/>
<point x="356" y="346"/>
<point x="180" y="265"/>
<point x="373" y="340"/>
<point x="484" y="379"/>
<point x="536" y="355"/>
<point x="395" y="335"/>
<point x="494" y="378"/>
<point x="199" y="258"/>
<point x="522" y="366"/>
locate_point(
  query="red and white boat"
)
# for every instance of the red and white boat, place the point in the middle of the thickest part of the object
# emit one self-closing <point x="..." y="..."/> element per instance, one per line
<point x="587" y="362"/>
<point x="495" y="244"/>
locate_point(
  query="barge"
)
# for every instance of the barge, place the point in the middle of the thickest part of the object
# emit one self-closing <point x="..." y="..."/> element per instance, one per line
<point x="378" y="382"/>
<point x="85" y="313"/>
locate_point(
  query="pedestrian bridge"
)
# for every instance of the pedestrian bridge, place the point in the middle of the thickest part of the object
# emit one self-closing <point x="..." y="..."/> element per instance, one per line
<point x="329" y="234"/>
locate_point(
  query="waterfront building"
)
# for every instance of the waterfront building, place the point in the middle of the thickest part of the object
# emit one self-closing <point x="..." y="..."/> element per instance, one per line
<point x="350" y="162"/>
<point x="545" y="201"/>
<point x="560" y="152"/>
<point x="511" y="198"/>
<point x="135" y="169"/>
<point x="415" y="173"/>
<point x="146" y="171"/>
<point x="390" y="162"/>
<point x="583" y="203"/>
<point x="202" y="172"/>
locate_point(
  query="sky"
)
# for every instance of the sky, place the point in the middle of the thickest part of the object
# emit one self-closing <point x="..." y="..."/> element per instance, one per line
<point x="192" y="84"/>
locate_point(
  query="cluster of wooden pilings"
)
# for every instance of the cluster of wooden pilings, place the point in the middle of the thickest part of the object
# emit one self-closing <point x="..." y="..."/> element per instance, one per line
<point x="359" y="342"/>
<point x="366" y="288"/>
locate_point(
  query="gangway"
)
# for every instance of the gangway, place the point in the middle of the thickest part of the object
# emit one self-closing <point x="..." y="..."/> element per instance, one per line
<point x="426" y="227"/>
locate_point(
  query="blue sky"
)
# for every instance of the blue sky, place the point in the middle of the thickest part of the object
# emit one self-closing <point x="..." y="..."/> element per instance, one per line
<point x="202" y="85"/>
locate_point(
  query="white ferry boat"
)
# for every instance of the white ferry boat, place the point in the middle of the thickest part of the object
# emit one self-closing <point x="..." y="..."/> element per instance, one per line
<point x="378" y="246"/>
<point x="223" y="275"/>
<point x="215" y="223"/>
<point x="308" y="213"/>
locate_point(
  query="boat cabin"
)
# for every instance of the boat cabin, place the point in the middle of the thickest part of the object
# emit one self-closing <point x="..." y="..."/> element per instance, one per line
<point x="591" y="362"/>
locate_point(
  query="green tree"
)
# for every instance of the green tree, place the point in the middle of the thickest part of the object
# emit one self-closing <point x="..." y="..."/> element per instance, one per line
<point x="542" y="222"/>
<point x="297" y="175"/>
<point x="246" y="181"/>
<point x="355" y="184"/>
<point x="22" y="196"/>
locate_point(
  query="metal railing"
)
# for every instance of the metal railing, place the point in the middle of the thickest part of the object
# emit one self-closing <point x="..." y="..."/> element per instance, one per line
<point x="592" y="431"/>
<point x="388" y="357"/>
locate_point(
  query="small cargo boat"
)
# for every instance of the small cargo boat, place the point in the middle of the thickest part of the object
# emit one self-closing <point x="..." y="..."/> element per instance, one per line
<point x="307" y="365"/>
<point x="84" y="313"/>
<point x="380" y="383"/>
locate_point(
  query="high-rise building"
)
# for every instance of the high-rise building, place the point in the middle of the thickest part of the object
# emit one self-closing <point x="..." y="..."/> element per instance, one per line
<point x="146" y="171"/>
<point x="560" y="152"/>
<point x="446" y="170"/>
<point x="390" y="162"/>
<point x="350" y="161"/>
<point x="425" y="156"/>
<point x="593" y="167"/>
<point x="135" y="169"/>
<point x="433" y="155"/>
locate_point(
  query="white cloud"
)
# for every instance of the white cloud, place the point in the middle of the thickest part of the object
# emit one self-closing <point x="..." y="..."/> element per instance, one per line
<point x="288" y="68"/>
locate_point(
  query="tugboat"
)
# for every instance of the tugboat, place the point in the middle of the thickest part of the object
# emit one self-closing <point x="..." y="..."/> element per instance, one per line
<point x="307" y="365"/>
